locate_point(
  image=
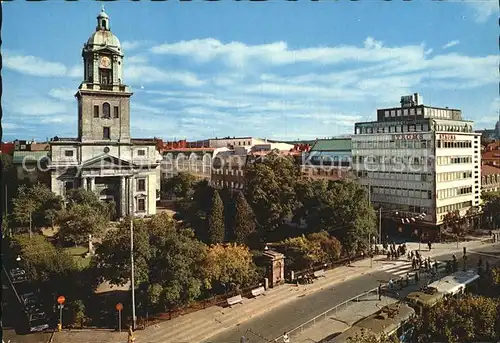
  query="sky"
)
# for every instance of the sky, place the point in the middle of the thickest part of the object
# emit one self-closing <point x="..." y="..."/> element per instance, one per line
<point x="276" y="69"/>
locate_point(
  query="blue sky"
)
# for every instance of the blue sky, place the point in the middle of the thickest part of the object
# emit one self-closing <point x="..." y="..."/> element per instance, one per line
<point x="276" y="69"/>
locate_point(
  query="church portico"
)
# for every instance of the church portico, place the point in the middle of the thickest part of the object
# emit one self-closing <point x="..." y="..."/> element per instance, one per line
<point x="104" y="159"/>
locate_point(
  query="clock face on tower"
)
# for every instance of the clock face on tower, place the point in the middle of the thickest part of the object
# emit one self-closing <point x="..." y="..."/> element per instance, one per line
<point x="105" y="62"/>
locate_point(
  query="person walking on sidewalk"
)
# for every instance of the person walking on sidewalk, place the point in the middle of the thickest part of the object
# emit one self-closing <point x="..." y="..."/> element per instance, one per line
<point x="379" y="292"/>
<point x="131" y="337"/>
<point x="286" y="338"/>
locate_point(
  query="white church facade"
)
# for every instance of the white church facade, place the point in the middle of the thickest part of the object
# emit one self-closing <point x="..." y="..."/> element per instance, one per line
<point x="104" y="158"/>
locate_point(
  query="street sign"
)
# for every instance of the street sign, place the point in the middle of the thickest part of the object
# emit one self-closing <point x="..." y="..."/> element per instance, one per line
<point x="61" y="299"/>
<point x="119" y="307"/>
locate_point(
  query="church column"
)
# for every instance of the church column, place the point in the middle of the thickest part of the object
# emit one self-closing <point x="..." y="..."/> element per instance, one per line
<point x="92" y="184"/>
<point x="131" y="195"/>
<point x="83" y="183"/>
<point x="123" y="197"/>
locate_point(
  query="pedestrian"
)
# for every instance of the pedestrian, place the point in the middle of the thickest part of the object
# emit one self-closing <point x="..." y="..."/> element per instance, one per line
<point x="409" y="256"/>
<point x="131" y="337"/>
<point x="286" y="338"/>
<point x="391" y="284"/>
<point x="379" y="292"/>
<point x="407" y="279"/>
<point x="388" y="255"/>
<point x="430" y="246"/>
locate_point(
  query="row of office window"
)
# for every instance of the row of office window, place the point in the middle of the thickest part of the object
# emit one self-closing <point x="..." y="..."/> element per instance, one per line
<point x="399" y="176"/>
<point x="403" y="192"/>
<point x="445" y="160"/>
<point x="392" y="128"/>
<point x="452" y="176"/>
<point x="398" y="144"/>
<point x="390" y="160"/>
<point x="403" y="112"/>
<point x="106" y="111"/>
<point x="455" y="144"/>
<point x="454" y="207"/>
<point x="454" y="192"/>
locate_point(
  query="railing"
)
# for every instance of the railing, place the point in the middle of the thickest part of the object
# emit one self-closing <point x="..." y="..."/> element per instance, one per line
<point x="325" y="314"/>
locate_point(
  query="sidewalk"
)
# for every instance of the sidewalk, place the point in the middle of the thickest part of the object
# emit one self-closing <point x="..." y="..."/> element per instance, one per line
<point x="200" y="325"/>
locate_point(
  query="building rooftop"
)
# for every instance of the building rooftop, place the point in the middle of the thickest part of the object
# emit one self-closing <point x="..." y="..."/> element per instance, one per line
<point x="335" y="144"/>
<point x="487" y="169"/>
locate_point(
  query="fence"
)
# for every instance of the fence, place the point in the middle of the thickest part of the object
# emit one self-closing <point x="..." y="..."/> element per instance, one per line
<point x="325" y="314"/>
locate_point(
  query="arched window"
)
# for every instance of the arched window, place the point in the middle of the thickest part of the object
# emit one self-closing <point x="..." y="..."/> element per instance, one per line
<point x="106" y="110"/>
<point x="103" y="24"/>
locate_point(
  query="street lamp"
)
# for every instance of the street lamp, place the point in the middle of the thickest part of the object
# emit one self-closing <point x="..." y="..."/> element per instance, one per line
<point x="18" y="258"/>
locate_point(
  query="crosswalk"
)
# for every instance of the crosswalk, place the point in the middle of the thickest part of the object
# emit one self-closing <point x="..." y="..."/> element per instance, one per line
<point x="402" y="267"/>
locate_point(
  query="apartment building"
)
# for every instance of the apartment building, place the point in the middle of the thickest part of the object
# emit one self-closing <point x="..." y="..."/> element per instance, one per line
<point x="490" y="178"/>
<point x="418" y="161"/>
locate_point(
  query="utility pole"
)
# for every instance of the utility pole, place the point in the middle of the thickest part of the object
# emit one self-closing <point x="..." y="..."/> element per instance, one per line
<point x="132" y="282"/>
<point x="380" y="225"/>
<point x="30" y="224"/>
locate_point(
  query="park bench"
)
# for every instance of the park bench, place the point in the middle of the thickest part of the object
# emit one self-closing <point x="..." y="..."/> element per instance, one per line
<point x="319" y="273"/>
<point x="234" y="300"/>
<point x="258" y="291"/>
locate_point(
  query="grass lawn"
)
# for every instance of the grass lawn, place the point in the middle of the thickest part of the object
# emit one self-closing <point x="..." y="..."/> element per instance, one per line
<point x="78" y="254"/>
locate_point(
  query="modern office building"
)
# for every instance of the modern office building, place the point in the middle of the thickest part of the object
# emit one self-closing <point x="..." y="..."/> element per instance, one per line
<point x="418" y="162"/>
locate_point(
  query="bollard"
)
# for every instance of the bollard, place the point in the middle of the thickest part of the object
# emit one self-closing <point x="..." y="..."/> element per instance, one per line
<point x="266" y="283"/>
<point x="292" y="276"/>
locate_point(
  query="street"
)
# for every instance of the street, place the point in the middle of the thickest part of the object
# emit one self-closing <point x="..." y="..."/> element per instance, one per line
<point x="272" y="324"/>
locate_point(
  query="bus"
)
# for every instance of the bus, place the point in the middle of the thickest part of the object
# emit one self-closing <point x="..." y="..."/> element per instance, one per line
<point x="392" y="321"/>
<point x="451" y="285"/>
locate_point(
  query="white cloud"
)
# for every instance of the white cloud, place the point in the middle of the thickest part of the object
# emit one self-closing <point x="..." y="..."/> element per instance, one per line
<point x="238" y="54"/>
<point x="64" y="94"/>
<point x="484" y="9"/>
<point x="10" y="126"/>
<point x="137" y="59"/>
<point x="132" y="45"/>
<point x="451" y="44"/>
<point x="146" y="74"/>
<point x="34" y="66"/>
<point x="37" y="106"/>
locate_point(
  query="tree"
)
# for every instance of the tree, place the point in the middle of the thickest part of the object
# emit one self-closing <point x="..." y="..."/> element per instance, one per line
<point x="80" y="196"/>
<point x="340" y="208"/>
<point x="329" y="245"/>
<point x="79" y="221"/>
<point x="244" y="222"/>
<point x="216" y="230"/>
<point x="455" y="222"/>
<point x="36" y="206"/>
<point x="301" y="253"/>
<point x="168" y="260"/>
<point x="270" y="189"/>
<point x="468" y="319"/>
<point x="366" y="336"/>
<point x="491" y="209"/>
<point x="181" y="185"/>
<point x="229" y="267"/>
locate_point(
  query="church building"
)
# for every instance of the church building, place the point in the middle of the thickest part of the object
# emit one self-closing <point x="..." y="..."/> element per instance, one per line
<point x="104" y="158"/>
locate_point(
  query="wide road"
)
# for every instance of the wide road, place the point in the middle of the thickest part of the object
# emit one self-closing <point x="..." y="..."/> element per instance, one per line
<point x="267" y="327"/>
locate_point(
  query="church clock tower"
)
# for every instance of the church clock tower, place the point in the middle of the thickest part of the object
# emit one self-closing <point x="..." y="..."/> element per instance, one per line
<point x="103" y="99"/>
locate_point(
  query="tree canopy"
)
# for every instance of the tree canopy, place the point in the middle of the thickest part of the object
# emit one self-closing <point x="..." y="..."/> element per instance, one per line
<point x="491" y="209"/>
<point x="270" y="189"/>
<point x="244" y="221"/>
<point x="79" y="221"/>
<point x="216" y="228"/>
<point x="38" y="204"/>
<point x="467" y="319"/>
<point x="229" y="267"/>
<point x="180" y="185"/>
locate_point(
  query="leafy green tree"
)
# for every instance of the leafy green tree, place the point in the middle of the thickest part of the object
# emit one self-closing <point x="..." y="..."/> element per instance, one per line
<point x="270" y="189"/>
<point x="168" y="260"/>
<point x="340" y="208"/>
<point x="468" y="319"/>
<point x="366" y="336"/>
<point x="181" y="185"/>
<point x="454" y="222"/>
<point x="228" y="267"/>
<point x="216" y="229"/>
<point x="80" y="196"/>
<point x="244" y="221"/>
<point x="491" y="209"/>
<point x="301" y="253"/>
<point x="329" y="245"/>
<point x="36" y="206"/>
<point x="79" y="221"/>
